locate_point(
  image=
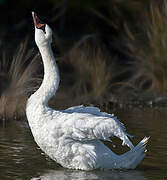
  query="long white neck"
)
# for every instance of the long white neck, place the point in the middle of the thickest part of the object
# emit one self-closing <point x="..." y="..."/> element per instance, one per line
<point x="51" y="78"/>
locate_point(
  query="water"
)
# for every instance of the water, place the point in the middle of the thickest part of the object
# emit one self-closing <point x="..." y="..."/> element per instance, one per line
<point x="20" y="158"/>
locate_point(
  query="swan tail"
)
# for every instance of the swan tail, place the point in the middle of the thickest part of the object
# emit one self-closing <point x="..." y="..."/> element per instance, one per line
<point x="132" y="158"/>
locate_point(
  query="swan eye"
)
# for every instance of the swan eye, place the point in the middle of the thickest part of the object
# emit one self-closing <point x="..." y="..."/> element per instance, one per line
<point x="43" y="29"/>
<point x="41" y="25"/>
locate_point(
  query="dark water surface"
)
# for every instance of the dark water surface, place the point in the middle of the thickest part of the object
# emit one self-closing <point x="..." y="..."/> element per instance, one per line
<point x="20" y="158"/>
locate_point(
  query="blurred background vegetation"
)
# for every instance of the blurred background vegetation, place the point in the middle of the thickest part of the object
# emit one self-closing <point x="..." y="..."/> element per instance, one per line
<point x="109" y="52"/>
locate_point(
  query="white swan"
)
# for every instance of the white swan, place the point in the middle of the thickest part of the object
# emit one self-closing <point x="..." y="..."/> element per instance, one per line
<point x="72" y="137"/>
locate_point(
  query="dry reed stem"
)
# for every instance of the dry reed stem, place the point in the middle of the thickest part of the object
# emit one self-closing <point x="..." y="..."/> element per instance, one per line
<point x="21" y="82"/>
<point x="93" y="75"/>
<point x="149" y="46"/>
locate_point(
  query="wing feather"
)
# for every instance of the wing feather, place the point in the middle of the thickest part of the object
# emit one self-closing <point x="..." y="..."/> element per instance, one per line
<point x="88" y="123"/>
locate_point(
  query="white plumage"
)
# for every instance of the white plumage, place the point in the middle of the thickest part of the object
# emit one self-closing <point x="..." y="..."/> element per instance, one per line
<point x="72" y="137"/>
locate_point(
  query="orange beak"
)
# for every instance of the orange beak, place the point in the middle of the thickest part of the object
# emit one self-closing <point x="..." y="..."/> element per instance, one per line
<point x="37" y="22"/>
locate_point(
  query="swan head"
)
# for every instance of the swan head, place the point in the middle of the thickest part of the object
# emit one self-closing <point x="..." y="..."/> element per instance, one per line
<point x="43" y="33"/>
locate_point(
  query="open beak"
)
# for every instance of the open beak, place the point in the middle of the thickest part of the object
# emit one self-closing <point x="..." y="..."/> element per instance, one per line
<point x="37" y="22"/>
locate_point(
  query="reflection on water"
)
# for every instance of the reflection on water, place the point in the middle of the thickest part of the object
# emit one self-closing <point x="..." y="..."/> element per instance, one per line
<point x="93" y="175"/>
<point x="20" y="158"/>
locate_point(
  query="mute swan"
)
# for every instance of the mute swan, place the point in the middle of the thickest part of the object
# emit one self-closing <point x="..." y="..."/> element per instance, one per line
<point x="72" y="137"/>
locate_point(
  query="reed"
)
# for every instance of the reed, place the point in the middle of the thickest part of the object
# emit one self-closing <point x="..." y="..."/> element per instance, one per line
<point x="91" y="73"/>
<point x="149" y="46"/>
<point x="20" y="77"/>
